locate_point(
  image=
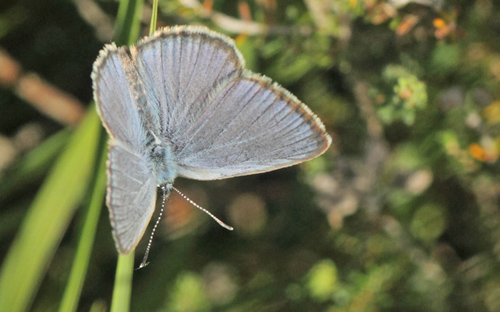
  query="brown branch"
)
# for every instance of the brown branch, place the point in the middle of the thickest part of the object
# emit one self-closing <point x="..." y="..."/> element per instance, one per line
<point x="234" y="25"/>
<point x="48" y="99"/>
<point x="93" y="14"/>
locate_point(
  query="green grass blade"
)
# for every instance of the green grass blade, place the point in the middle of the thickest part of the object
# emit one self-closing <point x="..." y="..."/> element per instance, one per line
<point x="127" y="31"/>
<point x="128" y="21"/>
<point x="154" y="17"/>
<point x="80" y="265"/>
<point x="48" y="218"/>
<point x="34" y="164"/>
<point x="123" y="283"/>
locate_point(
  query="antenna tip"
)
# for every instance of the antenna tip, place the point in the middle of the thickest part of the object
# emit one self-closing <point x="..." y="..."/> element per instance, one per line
<point x="142" y="265"/>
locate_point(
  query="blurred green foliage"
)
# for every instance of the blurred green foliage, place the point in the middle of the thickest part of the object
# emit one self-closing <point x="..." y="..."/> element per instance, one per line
<point x="408" y="95"/>
<point x="401" y="214"/>
<point x="188" y="294"/>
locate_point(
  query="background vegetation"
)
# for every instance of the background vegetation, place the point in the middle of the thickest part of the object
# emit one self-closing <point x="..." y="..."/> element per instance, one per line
<point x="401" y="214"/>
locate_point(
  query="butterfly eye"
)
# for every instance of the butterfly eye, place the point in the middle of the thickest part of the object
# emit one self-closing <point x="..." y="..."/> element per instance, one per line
<point x="157" y="151"/>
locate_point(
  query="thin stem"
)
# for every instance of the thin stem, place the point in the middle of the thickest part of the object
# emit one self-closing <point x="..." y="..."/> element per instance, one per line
<point x="127" y="31"/>
<point x="154" y="16"/>
<point x="80" y="264"/>
<point x="122" y="290"/>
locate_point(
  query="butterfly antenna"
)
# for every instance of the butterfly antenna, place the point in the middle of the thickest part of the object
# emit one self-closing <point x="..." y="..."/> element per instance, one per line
<point x="230" y="228"/>
<point x="146" y="254"/>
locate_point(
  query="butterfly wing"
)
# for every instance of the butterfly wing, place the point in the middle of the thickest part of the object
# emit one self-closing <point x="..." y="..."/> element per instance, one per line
<point x="131" y="196"/>
<point x="250" y="125"/>
<point x="114" y="98"/>
<point x="179" y="67"/>
<point x="131" y="191"/>
<point x="222" y="120"/>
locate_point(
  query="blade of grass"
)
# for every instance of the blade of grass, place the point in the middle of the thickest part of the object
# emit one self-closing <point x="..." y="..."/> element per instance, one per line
<point x="127" y="32"/>
<point x="42" y="229"/>
<point x="48" y="218"/>
<point x="128" y="21"/>
<point x="154" y="17"/>
<point x="123" y="279"/>
<point x="80" y="264"/>
<point x="34" y="164"/>
<point x="122" y="290"/>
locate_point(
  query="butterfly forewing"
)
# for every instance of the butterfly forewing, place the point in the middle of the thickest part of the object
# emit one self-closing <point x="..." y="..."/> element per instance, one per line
<point x="250" y="126"/>
<point x="182" y="66"/>
<point x="115" y="100"/>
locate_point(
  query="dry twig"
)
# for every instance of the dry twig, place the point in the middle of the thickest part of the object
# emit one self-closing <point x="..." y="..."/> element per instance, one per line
<point x="48" y="99"/>
<point x="234" y="25"/>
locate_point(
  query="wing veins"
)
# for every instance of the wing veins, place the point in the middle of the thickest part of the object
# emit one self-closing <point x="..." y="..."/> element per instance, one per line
<point x="236" y="142"/>
<point x="198" y="130"/>
<point x="207" y="95"/>
<point x="128" y="176"/>
<point x="192" y="72"/>
<point x="236" y="116"/>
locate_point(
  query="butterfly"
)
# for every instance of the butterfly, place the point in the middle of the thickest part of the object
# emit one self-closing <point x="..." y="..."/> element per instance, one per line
<point x="180" y="103"/>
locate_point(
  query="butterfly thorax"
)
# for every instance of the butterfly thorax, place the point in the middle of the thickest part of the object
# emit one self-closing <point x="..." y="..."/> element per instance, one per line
<point x="163" y="163"/>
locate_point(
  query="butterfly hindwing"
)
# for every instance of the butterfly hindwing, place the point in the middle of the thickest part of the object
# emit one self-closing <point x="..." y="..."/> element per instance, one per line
<point x="250" y="126"/>
<point x="131" y="196"/>
<point x="221" y="119"/>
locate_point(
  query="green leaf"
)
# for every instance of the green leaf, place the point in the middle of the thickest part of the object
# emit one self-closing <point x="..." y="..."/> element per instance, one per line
<point x="322" y="280"/>
<point x="428" y="223"/>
